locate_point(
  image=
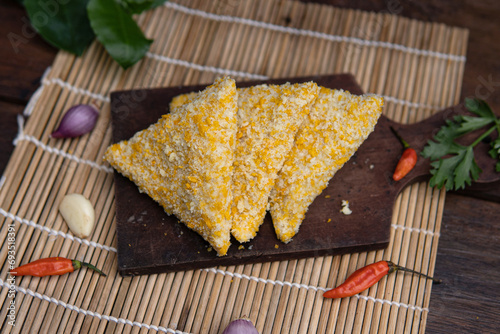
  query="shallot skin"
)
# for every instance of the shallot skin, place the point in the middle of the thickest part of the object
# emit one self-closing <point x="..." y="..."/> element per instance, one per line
<point x="240" y="326"/>
<point x="78" y="120"/>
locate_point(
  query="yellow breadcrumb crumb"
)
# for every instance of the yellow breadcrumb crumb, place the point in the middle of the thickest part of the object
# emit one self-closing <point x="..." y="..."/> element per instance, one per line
<point x="337" y="125"/>
<point x="185" y="162"/>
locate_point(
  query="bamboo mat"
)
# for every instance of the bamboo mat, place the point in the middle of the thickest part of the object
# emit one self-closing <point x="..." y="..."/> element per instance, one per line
<point x="417" y="66"/>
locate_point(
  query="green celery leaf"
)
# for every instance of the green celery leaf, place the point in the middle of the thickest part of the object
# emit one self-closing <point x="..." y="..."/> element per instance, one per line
<point x="442" y="172"/>
<point x="137" y="6"/>
<point x="443" y="143"/>
<point x="117" y="31"/>
<point x="66" y="26"/>
<point x="466" y="169"/>
<point x="480" y="108"/>
<point x="471" y="123"/>
<point x="493" y="153"/>
<point x="495" y="148"/>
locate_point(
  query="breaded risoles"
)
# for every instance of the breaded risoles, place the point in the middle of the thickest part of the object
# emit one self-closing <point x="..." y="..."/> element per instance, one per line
<point x="337" y="125"/>
<point x="185" y="162"/>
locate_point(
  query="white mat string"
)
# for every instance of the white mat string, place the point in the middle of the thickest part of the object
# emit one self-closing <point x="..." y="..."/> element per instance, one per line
<point x="77" y="309"/>
<point x="311" y="33"/>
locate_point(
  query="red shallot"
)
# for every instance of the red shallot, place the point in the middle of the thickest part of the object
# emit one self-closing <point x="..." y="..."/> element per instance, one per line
<point x="78" y="120"/>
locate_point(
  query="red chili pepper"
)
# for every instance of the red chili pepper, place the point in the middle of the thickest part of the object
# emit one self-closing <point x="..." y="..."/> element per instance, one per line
<point x="365" y="277"/>
<point x="407" y="161"/>
<point x="51" y="266"/>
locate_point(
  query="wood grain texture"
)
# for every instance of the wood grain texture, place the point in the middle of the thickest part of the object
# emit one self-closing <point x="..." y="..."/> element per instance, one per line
<point x="468" y="262"/>
<point x="24" y="55"/>
<point x="8" y="130"/>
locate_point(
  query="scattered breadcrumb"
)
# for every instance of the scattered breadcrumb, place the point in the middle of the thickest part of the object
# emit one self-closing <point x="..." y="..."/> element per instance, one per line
<point x="276" y="246"/>
<point x="240" y="247"/>
<point x="329" y="220"/>
<point x="345" y="208"/>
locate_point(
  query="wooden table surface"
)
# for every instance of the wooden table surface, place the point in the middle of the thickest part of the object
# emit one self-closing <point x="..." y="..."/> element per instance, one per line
<point x="468" y="257"/>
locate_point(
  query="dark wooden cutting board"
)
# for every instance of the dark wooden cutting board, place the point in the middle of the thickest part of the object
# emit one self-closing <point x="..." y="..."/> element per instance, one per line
<point x="150" y="241"/>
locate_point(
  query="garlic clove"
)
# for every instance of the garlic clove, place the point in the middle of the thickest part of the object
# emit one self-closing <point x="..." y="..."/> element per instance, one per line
<point x="78" y="213"/>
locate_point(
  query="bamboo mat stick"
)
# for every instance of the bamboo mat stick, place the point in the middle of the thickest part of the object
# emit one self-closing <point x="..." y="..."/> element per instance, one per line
<point x="223" y="302"/>
<point x="280" y="298"/>
<point x="33" y="245"/>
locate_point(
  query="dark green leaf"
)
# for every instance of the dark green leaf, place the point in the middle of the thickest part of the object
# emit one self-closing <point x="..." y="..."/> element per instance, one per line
<point x="460" y="168"/>
<point x="495" y="148"/>
<point x="444" y="142"/>
<point x="471" y="123"/>
<point x="466" y="169"/>
<point x="66" y="26"/>
<point x="480" y="108"/>
<point x="442" y="172"/>
<point x="157" y="3"/>
<point x="137" y="6"/>
<point x="118" y="32"/>
<point x="493" y="153"/>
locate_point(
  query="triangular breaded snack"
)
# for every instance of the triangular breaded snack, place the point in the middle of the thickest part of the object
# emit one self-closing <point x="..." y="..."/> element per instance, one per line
<point x="185" y="162"/>
<point x="337" y="125"/>
<point x="268" y="119"/>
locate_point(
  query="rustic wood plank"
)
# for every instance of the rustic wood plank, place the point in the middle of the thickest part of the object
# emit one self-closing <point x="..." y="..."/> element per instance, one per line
<point x="8" y="130"/>
<point x="24" y="55"/>
<point x="468" y="261"/>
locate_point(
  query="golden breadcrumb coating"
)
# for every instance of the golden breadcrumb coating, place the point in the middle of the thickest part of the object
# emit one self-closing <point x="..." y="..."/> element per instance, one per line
<point x="268" y="118"/>
<point x="185" y="162"/>
<point x="337" y="125"/>
<point x="182" y="99"/>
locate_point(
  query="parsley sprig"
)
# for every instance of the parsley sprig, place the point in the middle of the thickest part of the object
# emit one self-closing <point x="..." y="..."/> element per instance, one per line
<point x="453" y="165"/>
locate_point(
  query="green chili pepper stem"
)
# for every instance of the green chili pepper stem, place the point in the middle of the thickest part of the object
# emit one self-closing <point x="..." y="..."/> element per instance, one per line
<point x="78" y="264"/>
<point x="403" y="142"/>
<point x="394" y="267"/>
